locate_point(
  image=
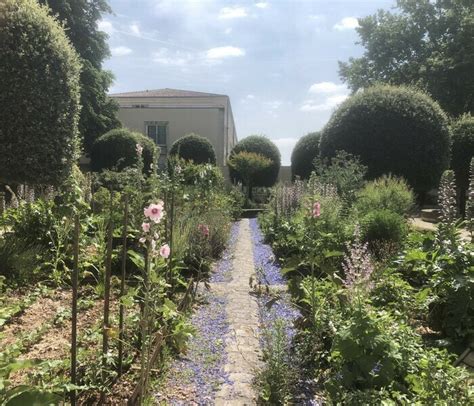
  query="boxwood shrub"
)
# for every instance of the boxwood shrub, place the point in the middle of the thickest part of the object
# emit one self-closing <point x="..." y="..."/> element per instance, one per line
<point x="116" y="149"/>
<point x="304" y="153"/>
<point x="396" y="130"/>
<point x="260" y="145"/>
<point x="193" y="147"/>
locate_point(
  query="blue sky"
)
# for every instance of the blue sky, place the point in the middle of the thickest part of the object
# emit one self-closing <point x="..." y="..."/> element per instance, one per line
<point x="276" y="59"/>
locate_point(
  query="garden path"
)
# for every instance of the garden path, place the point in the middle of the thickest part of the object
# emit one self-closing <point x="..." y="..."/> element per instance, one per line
<point x="242" y="343"/>
<point x="224" y="353"/>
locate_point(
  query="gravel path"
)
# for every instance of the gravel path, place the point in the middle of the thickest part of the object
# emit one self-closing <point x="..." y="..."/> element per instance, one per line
<point x="224" y="353"/>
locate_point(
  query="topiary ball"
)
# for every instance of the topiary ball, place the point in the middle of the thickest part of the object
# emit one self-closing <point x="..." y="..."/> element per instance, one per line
<point x="260" y="145"/>
<point x="194" y="147"/>
<point x="395" y="130"/>
<point x="303" y="155"/>
<point x="383" y="226"/>
<point x="117" y="149"/>
<point x="463" y="149"/>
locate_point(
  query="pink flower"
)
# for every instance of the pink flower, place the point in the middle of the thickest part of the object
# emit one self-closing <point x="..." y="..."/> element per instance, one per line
<point x="316" y="209"/>
<point x="146" y="227"/>
<point x="165" y="251"/>
<point x="154" y="212"/>
<point x="139" y="149"/>
<point x="204" y="230"/>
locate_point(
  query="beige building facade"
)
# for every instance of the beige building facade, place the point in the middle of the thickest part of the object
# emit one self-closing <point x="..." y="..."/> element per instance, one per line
<point x="165" y="115"/>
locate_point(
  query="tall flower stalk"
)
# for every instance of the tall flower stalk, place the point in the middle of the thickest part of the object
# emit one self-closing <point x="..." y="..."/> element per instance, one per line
<point x="470" y="202"/>
<point x="448" y="204"/>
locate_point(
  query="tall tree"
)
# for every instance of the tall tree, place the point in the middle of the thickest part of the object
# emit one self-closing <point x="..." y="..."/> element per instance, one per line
<point x="426" y="43"/>
<point x="80" y="18"/>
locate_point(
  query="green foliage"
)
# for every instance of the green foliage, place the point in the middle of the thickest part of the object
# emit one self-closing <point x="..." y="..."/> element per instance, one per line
<point x="81" y="18"/>
<point x="462" y="149"/>
<point x="383" y="226"/>
<point x="39" y="96"/>
<point x="385" y="193"/>
<point x="248" y="166"/>
<point x="259" y="144"/>
<point x="410" y="46"/>
<point x="117" y="149"/>
<point x="304" y="153"/>
<point x="470" y="202"/>
<point x="393" y="130"/>
<point x="205" y="175"/>
<point x="195" y="148"/>
<point x="344" y="171"/>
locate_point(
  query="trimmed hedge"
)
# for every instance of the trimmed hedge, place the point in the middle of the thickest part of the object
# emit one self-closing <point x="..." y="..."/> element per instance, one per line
<point x="304" y="154"/>
<point x="117" y="149"/>
<point x="463" y="149"/>
<point x="194" y="147"/>
<point x="263" y="146"/>
<point x="39" y="96"/>
<point x="395" y="130"/>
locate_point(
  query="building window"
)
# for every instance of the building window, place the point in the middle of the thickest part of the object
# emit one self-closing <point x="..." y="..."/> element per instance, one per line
<point x="157" y="131"/>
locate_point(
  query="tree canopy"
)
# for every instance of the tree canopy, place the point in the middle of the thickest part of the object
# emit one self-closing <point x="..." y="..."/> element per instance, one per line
<point x="80" y="18"/>
<point x="194" y="147"/>
<point x="425" y="43"/>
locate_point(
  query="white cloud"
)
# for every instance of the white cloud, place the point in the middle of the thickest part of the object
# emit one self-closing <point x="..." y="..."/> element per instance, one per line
<point x="106" y="26"/>
<point x="121" y="51"/>
<point x="135" y="29"/>
<point x="327" y="88"/>
<point x="232" y="12"/>
<point x="224" y="52"/>
<point x="328" y="104"/>
<point x="250" y="96"/>
<point x="347" y="23"/>
<point x="262" y="4"/>
<point x="172" y="58"/>
<point x="228" y="31"/>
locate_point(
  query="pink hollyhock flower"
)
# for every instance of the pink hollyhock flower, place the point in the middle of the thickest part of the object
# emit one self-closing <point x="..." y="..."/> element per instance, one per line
<point x="139" y="149"/>
<point x="165" y="251"/>
<point x="146" y="227"/>
<point x="154" y="212"/>
<point x="204" y="230"/>
<point x="316" y="209"/>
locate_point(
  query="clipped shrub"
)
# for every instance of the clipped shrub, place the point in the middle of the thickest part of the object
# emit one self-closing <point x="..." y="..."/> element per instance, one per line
<point x="117" y="149"/>
<point x="394" y="130"/>
<point x="39" y="96"/>
<point x="383" y="226"/>
<point x="304" y="153"/>
<point x="261" y="145"/>
<point x="462" y="149"/>
<point x="194" y="147"/>
<point x="387" y="192"/>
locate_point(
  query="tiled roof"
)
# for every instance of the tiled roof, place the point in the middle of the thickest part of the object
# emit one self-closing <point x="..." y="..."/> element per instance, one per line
<point x="166" y="93"/>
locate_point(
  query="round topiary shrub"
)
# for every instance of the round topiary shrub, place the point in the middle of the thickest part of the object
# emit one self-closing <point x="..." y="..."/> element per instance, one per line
<point x="259" y="144"/>
<point x="462" y="149"/>
<point x="394" y="130"/>
<point x="39" y="96"/>
<point x="383" y="226"/>
<point x="303" y="155"/>
<point x="193" y="147"/>
<point x="117" y="150"/>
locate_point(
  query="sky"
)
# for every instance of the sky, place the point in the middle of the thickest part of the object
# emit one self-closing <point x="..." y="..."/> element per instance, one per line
<point x="275" y="59"/>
